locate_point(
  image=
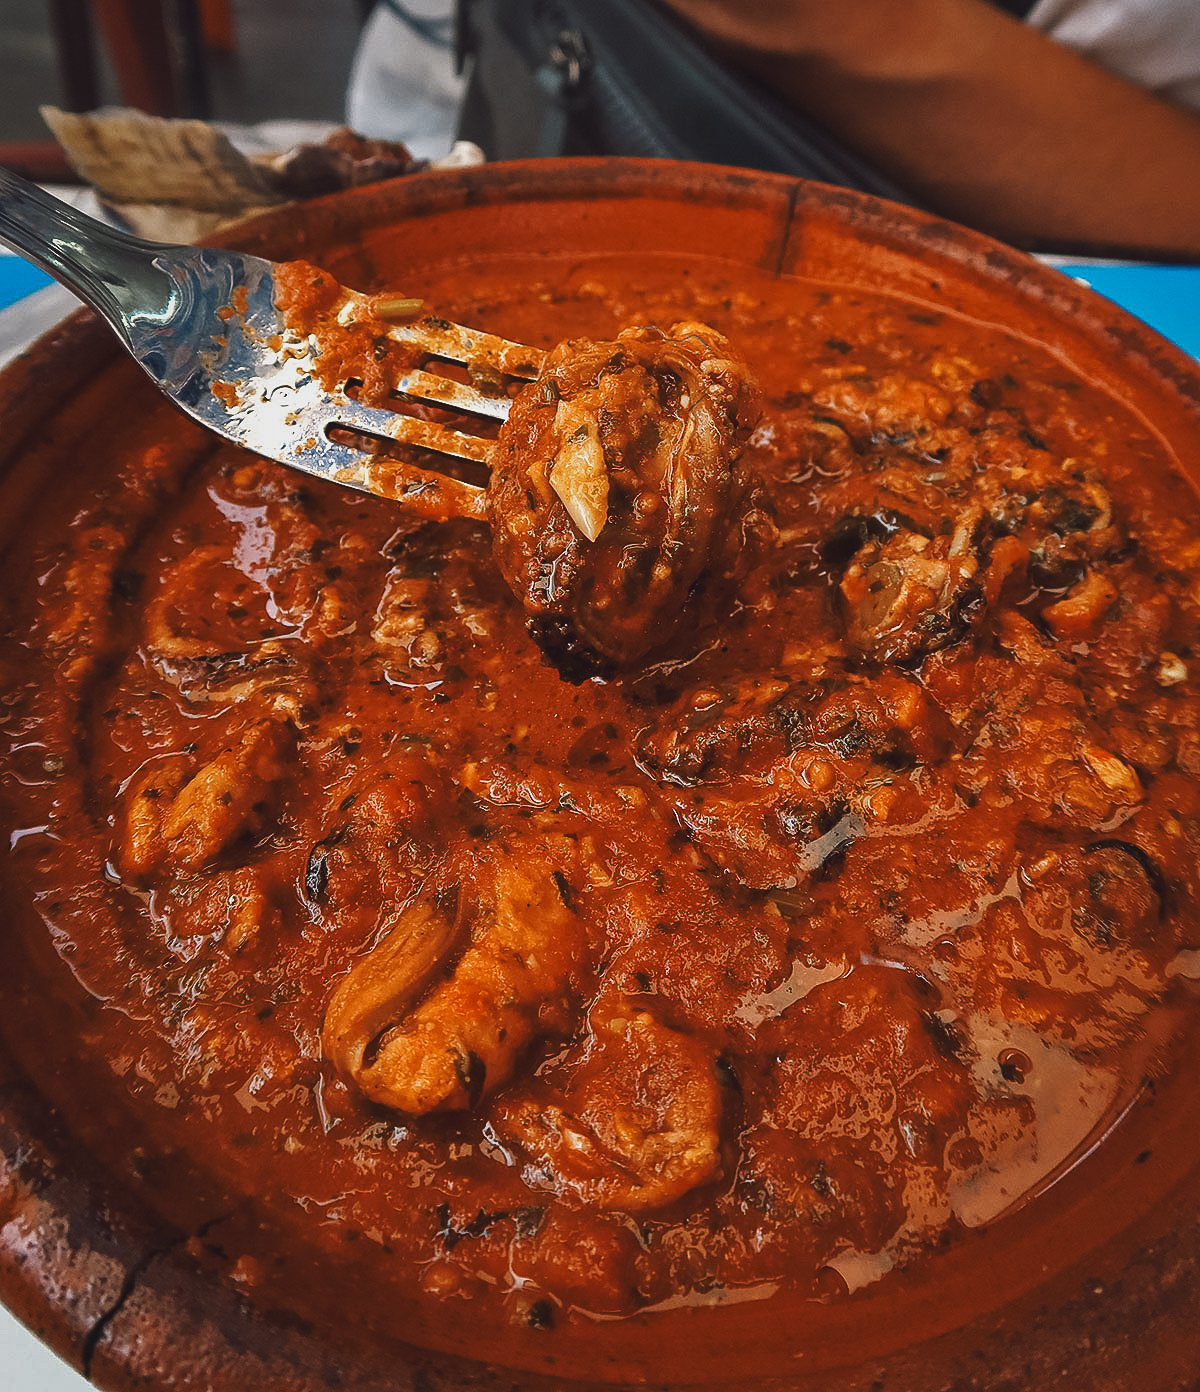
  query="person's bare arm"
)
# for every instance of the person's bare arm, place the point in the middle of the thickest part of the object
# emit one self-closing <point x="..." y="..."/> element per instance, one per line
<point x="988" y="121"/>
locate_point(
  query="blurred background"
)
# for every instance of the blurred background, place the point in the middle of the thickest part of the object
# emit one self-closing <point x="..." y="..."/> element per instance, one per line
<point x="241" y="61"/>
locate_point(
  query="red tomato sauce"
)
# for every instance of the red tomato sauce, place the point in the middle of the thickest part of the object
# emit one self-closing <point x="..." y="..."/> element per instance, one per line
<point x="835" y="930"/>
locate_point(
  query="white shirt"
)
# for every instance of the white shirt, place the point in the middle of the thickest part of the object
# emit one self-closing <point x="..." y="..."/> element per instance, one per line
<point x="1155" y="43"/>
<point x="403" y="85"/>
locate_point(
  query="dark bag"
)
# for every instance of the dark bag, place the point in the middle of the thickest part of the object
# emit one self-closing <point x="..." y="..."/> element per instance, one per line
<point x="624" y="77"/>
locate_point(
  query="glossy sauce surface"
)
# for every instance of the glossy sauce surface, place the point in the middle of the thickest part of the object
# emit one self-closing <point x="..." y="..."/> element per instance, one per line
<point x="838" y="930"/>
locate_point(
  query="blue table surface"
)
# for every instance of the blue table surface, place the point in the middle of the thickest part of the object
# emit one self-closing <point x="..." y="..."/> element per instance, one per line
<point x="18" y="279"/>
<point x="1166" y="297"/>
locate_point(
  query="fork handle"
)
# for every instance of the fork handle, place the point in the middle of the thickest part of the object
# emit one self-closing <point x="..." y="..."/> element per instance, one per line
<point x="118" y="275"/>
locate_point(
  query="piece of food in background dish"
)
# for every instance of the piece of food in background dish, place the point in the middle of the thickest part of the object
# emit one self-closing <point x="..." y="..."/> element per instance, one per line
<point x="613" y="484"/>
<point x="182" y="180"/>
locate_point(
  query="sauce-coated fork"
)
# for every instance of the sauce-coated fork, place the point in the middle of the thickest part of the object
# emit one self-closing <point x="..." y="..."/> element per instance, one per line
<point x="207" y="327"/>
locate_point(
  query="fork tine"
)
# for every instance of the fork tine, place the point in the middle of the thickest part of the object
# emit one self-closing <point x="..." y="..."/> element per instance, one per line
<point x="433" y="495"/>
<point x="408" y="430"/>
<point x="443" y="339"/>
<point x="429" y="386"/>
<point x="422" y="491"/>
<point x="436" y="496"/>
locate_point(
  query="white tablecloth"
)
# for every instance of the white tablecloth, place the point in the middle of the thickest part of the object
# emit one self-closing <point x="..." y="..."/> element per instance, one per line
<point x="27" y="1365"/>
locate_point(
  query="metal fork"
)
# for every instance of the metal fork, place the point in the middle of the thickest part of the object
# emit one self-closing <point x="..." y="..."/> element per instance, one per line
<point x="207" y="328"/>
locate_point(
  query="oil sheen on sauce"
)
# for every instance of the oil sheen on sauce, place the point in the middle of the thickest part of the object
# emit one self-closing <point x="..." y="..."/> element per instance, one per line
<point x="842" y="928"/>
